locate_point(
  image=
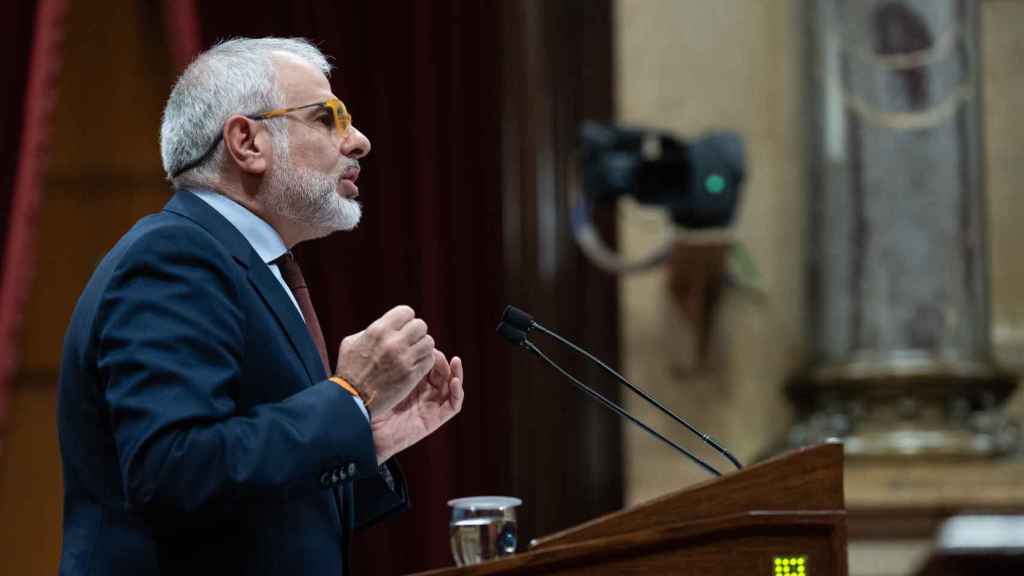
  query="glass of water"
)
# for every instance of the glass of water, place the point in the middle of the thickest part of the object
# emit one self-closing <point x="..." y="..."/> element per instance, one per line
<point x="482" y="528"/>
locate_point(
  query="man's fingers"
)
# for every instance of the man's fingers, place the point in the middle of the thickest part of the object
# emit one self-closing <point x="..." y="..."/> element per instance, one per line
<point x="441" y="371"/>
<point x="413" y="331"/>
<point x="423" y="350"/>
<point x="395" y="318"/>
<point x="457" y="395"/>
<point x="456" y="368"/>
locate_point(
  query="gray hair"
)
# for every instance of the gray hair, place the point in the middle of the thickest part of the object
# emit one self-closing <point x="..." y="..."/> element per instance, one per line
<point x="234" y="77"/>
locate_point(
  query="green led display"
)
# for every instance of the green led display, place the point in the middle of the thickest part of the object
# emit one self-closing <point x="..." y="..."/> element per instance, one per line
<point x="790" y="566"/>
<point x="714" y="183"/>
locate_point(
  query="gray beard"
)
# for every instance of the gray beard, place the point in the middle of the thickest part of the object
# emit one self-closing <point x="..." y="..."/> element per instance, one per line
<point x="309" y="197"/>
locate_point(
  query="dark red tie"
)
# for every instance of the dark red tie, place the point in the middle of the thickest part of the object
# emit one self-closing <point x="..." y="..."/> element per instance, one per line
<point x="292" y="275"/>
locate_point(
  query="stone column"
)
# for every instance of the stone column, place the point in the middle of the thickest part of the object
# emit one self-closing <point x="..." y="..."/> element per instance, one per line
<point x="898" y="277"/>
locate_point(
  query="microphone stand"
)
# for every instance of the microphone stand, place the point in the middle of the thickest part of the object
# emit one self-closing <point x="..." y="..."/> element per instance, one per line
<point x="614" y="407"/>
<point x="642" y="394"/>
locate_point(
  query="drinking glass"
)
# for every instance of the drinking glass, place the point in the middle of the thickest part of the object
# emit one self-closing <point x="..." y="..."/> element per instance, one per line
<point x="482" y="528"/>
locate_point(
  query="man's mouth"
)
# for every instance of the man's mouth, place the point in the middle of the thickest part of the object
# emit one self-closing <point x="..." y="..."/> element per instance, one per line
<point x="351" y="174"/>
<point x="348" y="182"/>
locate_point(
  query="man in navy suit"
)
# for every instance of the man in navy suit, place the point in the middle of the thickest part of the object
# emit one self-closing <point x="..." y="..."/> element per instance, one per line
<point x="201" y="429"/>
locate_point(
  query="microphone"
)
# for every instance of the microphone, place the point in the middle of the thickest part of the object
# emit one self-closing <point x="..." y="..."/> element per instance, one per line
<point x="518" y="319"/>
<point x="511" y="333"/>
<point x="523" y="322"/>
<point x="518" y="337"/>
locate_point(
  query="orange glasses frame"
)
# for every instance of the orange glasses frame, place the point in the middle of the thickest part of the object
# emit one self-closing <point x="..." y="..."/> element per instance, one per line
<point x="342" y="119"/>
<point x="342" y="122"/>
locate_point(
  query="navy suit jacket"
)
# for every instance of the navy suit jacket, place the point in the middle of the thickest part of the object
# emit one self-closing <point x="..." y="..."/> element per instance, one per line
<point x="198" y="432"/>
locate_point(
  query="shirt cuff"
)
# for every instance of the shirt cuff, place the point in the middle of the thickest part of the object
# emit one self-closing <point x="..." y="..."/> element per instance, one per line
<point x="385" y="473"/>
<point x="362" y="407"/>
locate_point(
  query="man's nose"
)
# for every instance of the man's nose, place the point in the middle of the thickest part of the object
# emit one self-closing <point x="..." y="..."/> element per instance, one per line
<point x="355" y="144"/>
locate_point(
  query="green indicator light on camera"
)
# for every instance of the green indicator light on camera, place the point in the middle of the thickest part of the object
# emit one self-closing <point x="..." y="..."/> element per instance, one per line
<point x="714" y="184"/>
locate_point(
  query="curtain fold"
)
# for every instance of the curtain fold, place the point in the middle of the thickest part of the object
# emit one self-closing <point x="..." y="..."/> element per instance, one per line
<point x="183" y="35"/>
<point x="31" y="41"/>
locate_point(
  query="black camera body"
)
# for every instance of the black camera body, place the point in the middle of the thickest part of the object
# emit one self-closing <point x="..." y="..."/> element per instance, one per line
<point x="698" y="182"/>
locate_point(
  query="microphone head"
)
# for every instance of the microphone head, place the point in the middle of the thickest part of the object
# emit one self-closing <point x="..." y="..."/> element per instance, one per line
<point x="511" y="333"/>
<point x="517" y="318"/>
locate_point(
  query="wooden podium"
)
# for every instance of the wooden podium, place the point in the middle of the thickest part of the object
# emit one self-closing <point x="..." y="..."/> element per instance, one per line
<point x="781" y="517"/>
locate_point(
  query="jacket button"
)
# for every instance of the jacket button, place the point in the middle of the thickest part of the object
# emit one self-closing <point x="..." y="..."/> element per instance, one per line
<point x="352" y="469"/>
<point x="325" y="479"/>
<point x="335" y="477"/>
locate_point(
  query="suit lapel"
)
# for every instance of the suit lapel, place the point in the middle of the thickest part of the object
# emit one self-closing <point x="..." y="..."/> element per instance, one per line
<point x="288" y="316"/>
<point x="186" y="204"/>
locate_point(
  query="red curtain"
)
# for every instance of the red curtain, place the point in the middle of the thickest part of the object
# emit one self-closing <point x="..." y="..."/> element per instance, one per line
<point x="30" y="38"/>
<point x="420" y="80"/>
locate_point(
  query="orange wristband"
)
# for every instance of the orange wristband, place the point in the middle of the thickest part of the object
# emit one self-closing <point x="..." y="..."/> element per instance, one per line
<point x="344" y="384"/>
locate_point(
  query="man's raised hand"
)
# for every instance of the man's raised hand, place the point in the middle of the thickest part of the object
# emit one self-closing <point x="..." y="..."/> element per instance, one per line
<point x="435" y="400"/>
<point x="388" y="359"/>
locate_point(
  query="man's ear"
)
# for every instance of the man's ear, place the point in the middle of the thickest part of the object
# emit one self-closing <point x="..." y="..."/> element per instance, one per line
<point x="247" y="144"/>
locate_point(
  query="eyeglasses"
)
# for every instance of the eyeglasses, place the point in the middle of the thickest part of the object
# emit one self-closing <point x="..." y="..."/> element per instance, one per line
<point x="342" y="119"/>
<point x="339" y="116"/>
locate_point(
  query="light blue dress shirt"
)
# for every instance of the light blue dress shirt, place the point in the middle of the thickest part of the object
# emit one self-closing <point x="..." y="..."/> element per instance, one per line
<point x="261" y="236"/>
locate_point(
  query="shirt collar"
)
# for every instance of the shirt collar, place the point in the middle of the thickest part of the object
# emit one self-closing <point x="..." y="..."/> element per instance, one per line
<point x="264" y="239"/>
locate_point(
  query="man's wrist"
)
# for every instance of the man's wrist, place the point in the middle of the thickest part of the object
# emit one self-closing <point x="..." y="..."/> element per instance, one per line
<point x="383" y="441"/>
<point x="347" y="386"/>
